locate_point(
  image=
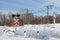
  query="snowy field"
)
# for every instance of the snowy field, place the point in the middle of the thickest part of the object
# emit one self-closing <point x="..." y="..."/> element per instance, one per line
<point x="31" y="32"/>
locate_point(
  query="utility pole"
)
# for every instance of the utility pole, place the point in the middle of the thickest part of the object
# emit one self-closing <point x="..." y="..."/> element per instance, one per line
<point x="48" y="7"/>
<point x="47" y="14"/>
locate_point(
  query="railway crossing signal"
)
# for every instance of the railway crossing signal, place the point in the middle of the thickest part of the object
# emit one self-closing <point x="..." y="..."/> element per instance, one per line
<point x="16" y="20"/>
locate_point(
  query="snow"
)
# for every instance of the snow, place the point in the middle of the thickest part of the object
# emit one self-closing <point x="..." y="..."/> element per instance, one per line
<point x="15" y="38"/>
<point x="31" y="32"/>
<point x="54" y="38"/>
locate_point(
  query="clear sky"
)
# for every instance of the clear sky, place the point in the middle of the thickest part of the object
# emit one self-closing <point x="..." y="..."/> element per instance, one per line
<point x="36" y="6"/>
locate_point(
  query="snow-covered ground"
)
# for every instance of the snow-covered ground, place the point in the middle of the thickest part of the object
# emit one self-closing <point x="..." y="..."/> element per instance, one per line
<point x="31" y="32"/>
<point x="15" y="38"/>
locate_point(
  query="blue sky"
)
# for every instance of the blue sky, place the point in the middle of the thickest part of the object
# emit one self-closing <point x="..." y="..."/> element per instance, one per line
<point x="39" y="6"/>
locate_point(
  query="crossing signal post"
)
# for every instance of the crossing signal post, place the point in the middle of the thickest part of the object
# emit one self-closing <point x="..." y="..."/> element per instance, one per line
<point x="16" y="20"/>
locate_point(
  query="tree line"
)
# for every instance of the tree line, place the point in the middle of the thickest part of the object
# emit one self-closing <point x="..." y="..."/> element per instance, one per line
<point x="26" y="18"/>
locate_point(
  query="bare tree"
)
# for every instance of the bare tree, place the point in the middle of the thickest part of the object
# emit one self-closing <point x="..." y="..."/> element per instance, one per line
<point x="1" y="19"/>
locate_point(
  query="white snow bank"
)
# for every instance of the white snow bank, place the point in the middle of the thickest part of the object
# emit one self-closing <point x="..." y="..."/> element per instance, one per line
<point x="36" y="31"/>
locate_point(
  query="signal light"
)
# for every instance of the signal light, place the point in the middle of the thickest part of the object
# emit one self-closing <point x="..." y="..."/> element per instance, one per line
<point x="17" y="15"/>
